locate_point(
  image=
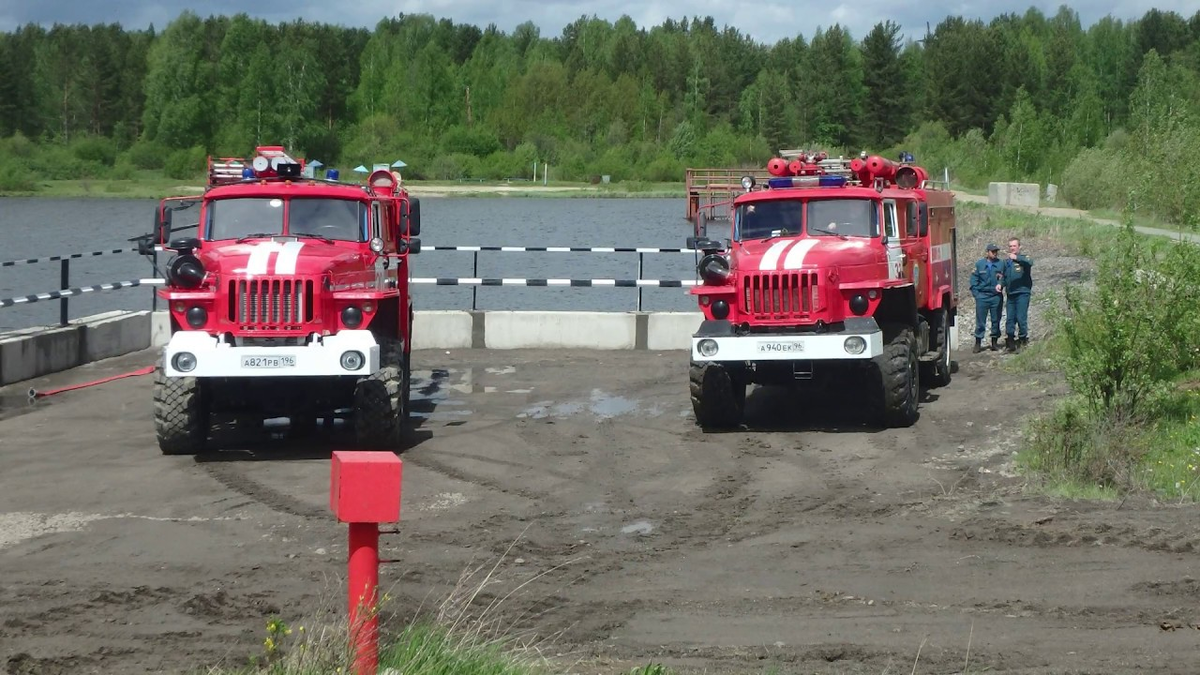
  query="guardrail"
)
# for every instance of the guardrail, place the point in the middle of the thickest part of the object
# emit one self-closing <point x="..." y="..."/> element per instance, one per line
<point x="66" y="291"/>
<point x="475" y="281"/>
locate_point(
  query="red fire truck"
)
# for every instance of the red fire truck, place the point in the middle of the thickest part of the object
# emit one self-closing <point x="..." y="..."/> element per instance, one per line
<point x="291" y="299"/>
<point x="834" y="269"/>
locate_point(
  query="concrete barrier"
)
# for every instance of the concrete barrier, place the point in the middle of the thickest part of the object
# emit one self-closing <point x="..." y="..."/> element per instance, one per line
<point x="1026" y="195"/>
<point x="443" y="329"/>
<point x="559" y="330"/>
<point x="113" y="334"/>
<point x="33" y="352"/>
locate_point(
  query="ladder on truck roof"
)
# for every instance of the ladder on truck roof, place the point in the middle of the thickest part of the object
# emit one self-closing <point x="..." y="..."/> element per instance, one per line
<point x="225" y="170"/>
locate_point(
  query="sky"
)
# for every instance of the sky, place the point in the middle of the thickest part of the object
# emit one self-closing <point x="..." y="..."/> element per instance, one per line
<point x="765" y="21"/>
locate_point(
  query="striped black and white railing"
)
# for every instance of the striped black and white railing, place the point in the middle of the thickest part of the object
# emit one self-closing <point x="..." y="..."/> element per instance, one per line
<point x="559" y="249"/>
<point x="81" y="290"/>
<point x="474" y="281"/>
<point x="575" y="283"/>
<point x="68" y="256"/>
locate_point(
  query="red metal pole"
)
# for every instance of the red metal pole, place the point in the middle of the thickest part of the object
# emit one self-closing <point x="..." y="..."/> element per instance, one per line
<point x="364" y="584"/>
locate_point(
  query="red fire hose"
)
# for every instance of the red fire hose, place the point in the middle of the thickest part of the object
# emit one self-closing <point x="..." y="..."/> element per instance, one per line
<point x="33" y="393"/>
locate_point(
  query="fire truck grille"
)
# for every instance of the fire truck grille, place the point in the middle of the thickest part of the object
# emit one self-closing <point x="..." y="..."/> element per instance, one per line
<point x="782" y="295"/>
<point x="271" y="304"/>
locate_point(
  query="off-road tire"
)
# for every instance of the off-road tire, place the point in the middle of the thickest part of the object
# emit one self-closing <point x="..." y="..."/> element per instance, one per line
<point x="718" y="395"/>
<point x="380" y="412"/>
<point x="180" y="414"/>
<point x="897" y="380"/>
<point x="937" y="373"/>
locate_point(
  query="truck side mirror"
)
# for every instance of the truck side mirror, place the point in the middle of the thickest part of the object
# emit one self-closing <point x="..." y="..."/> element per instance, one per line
<point x="411" y="246"/>
<point x="410" y="217"/>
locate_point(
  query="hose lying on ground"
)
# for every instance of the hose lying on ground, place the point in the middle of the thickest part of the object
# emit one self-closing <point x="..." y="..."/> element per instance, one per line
<point x="34" y="393"/>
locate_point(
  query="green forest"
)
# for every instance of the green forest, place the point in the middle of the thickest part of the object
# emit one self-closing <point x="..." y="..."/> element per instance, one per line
<point x="1109" y="112"/>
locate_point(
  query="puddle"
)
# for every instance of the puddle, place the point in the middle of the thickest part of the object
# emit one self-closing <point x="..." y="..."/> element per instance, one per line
<point x="606" y="405"/>
<point x="543" y="409"/>
<point x="601" y="404"/>
<point x="638" y="527"/>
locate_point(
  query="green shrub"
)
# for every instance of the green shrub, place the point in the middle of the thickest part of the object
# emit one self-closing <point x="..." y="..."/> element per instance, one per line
<point x="185" y="164"/>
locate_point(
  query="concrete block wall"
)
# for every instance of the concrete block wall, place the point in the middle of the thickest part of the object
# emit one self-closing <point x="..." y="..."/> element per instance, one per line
<point x="461" y="329"/>
<point x="1014" y="194"/>
<point x="33" y="352"/>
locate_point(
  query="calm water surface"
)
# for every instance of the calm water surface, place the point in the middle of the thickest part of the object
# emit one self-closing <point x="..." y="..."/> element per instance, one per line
<point x="38" y="227"/>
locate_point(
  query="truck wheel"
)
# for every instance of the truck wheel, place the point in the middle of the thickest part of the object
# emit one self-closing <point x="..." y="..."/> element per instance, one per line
<point x="379" y="409"/>
<point x="718" y="396"/>
<point x="898" y="377"/>
<point x="937" y="373"/>
<point x="180" y="414"/>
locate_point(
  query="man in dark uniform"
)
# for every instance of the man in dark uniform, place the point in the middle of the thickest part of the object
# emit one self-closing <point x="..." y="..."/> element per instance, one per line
<point x="987" y="290"/>
<point x="1018" y="282"/>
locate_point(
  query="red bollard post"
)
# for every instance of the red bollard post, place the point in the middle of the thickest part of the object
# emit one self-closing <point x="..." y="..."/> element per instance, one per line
<point x="364" y="491"/>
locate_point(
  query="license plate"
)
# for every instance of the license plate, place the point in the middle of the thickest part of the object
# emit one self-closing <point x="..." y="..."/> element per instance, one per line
<point x="268" y="362"/>
<point x="780" y="347"/>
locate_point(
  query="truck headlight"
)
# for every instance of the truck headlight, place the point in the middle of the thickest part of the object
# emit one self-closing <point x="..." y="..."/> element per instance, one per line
<point x="353" y="360"/>
<point x="184" y="362"/>
<point x="707" y="347"/>
<point x="855" y="345"/>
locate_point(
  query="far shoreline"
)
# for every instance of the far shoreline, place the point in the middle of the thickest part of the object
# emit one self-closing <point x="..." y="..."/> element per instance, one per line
<point x="160" y="188"/>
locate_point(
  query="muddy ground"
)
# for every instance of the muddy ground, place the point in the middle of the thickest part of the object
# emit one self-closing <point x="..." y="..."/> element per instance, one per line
<point x="620" y="533"/>
<point x="803" y="542"/>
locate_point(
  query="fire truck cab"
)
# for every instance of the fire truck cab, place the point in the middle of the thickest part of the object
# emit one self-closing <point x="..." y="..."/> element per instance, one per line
<point x="290" y="299"/>
<point x="837" y="274"/>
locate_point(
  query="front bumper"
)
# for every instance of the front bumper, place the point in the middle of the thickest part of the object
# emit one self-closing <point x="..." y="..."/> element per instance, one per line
<point x="826" y="346"/>
<point x="322" y="356"/>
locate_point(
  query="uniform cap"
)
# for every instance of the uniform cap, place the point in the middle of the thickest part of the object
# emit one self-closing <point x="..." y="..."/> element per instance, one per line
<point x="993" y="247"/>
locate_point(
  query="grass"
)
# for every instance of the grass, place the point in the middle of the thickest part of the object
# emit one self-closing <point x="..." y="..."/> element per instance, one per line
<point x="468" y="633"/>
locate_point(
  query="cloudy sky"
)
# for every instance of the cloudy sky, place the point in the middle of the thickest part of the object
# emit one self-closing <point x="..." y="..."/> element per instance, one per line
<point x="764" y="20"/>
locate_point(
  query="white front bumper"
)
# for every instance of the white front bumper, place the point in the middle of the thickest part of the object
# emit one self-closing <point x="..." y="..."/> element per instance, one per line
<point x="794" y="347"/>
<point x="217" y="357"/>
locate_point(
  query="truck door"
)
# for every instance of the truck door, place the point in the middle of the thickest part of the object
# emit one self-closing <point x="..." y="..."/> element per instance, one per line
<point x="915" y="252"/>
<point x="895" y="249"/>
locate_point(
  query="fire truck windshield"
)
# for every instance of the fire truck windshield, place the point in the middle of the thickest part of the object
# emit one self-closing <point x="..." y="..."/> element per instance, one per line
<point x="842" y="218"/>
<point x="244" y="217"/>
<point x="773" y="218"/>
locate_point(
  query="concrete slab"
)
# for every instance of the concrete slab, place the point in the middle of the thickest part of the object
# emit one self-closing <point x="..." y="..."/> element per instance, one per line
<point x="442" y="329"/>
<point x="32" y="352"/>
<point x="559" y="330"/>
<point x="114" y="334"/>
<point x="672" y="330"/>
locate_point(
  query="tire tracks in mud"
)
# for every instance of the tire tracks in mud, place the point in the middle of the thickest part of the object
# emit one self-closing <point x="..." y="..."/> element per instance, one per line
<point x="228" y="475"/>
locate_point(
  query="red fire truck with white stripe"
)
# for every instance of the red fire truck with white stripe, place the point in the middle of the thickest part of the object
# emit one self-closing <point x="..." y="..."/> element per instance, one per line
<point x="291" y="300"/>
<point x="834" y="269"/>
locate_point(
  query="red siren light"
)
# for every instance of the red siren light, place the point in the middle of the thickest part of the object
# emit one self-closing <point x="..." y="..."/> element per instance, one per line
<point x="777" y="167"/>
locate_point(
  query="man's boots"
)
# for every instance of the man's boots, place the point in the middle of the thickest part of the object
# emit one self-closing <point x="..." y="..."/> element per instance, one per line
<point x="1022" y="343"/>
<point x="978" y="346"/>
<point x="1010" y="345"/>
<point x="994" y="347"/>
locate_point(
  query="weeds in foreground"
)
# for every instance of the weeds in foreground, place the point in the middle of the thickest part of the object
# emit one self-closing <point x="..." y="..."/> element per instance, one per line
<point x="461" y="635"/>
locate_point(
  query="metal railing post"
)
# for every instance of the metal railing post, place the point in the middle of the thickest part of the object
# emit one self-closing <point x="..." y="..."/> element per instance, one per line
<point x="154" y="291"/>
<point x="64" y="284"/>
<point x="641" y="260"/>
<point x="474" y="274"/>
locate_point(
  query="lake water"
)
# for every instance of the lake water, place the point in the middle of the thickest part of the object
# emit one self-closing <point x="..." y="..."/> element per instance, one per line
<point x="39" y="227"/>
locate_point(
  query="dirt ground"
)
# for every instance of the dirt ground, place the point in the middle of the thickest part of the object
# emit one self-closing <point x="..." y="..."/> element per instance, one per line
<point x="623" y="534"/>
